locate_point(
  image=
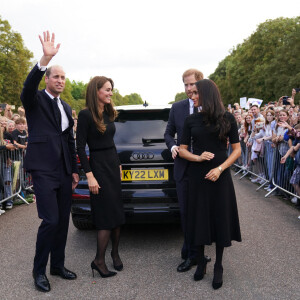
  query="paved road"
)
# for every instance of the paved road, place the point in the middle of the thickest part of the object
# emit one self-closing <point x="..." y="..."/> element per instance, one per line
<point x="265" y="265"/>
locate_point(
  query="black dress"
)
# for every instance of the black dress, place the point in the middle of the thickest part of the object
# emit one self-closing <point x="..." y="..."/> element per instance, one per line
<point x="107" y="206"/>
<point x="212" y="214"/>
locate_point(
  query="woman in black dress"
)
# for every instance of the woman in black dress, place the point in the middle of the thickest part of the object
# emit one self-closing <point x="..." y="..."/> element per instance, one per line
<point x="96" y="128"/>
<point x="212" y="214"/>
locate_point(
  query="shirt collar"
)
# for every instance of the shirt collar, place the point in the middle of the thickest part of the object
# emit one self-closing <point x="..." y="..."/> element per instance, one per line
<point x="51" y="96"/>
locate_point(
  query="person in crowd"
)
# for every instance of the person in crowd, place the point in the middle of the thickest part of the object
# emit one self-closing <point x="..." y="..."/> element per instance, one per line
<point x="247" y="132"/>
<point x="237" y="107"/>
<point x="51" y="160"/>
<point x="179" y="111"/>
<point x="256" y="113"/>
<point x="294" y="153"/>
<point x="103" y="170"/>
<point x="19" y="134"/>
<point x="7" y="166"/>
<point x="8" y="111"/>
<point x="257" y="149"/>
<point x="15" y="117"/>
<point x="266" y="139"/>
<point x="21" y="111"/>
<point x="212" y="214"/>
<point x="10" y="127"/>
<point x="281" y="144"/>
<point x="5" y="146"/>
<point x="75" y="127"/>
<point x="74" y="114"/>
<point x="240" y="124"/>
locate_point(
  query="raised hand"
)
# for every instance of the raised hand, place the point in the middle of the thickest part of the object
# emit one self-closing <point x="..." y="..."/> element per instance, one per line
<point x="49" y="47"/>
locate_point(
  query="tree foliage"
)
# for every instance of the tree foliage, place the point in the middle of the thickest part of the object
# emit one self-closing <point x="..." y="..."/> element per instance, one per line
<point x="78" y="89"/>
<point x="14" y="64"/>
<point x="179" y="97"/>
<point x="264" y="66"/>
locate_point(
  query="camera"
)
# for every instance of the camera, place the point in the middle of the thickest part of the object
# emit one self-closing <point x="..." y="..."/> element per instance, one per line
<point x="3" y="106"/>
<point x="284" y="100"/>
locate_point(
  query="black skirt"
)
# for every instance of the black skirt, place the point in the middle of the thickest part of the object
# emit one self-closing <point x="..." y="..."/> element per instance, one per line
<point x="107" y="206"/>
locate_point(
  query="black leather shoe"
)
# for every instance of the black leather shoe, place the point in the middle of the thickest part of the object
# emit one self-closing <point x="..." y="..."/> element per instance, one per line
<point x="41" y="282"/>
<point x="207" y="258"/>
<point x="186" y="265"/>
<point x="63" y="273"/>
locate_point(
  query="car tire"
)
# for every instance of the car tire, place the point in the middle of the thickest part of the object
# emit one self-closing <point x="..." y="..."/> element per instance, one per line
<point x="81" y="223"/>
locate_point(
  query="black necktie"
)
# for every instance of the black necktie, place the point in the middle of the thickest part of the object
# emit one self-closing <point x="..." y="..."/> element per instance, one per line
<point x="195" y="109"/>
<point x="57" y="111"/>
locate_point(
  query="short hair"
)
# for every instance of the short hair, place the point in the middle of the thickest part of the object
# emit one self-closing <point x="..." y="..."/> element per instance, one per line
<point x="198" y="74"/>
<point x="20" y="120"/>
<point x="48" y="71"/>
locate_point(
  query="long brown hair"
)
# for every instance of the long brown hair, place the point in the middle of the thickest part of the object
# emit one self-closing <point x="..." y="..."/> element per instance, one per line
<point x="247" y="127"/>
<point x="213" y="108"/>
<point x="92" y="104"/>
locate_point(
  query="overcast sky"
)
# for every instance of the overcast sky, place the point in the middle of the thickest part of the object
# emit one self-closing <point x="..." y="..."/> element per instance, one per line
<point x="144" y="46"/>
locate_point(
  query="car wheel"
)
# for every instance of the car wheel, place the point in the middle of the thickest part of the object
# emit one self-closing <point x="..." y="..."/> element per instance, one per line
<point x="82" y="224"/>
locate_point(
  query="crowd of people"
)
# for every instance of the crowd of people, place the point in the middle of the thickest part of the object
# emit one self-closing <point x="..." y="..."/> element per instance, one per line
<point x="262" y="129"/>
<point x="13" y="138"/>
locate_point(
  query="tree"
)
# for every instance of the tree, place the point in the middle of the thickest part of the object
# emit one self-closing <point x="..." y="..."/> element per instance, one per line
<point x="178" y="97"/>
<point x="78" y="89"/>
<point x="265" y="66"/>
<point x="133" y="99"/>
<point x="14" y="64"/>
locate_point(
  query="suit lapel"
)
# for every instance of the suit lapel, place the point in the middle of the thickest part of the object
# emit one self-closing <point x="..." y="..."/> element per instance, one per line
<point x="186" y="109"/>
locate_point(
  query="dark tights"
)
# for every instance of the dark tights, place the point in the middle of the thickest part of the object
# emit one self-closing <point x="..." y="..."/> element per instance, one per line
<point x="219" y="254"/>
<point x="102" y="242"/>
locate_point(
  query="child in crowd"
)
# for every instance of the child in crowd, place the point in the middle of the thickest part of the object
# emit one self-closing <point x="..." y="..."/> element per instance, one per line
<point x="19" y="134"/>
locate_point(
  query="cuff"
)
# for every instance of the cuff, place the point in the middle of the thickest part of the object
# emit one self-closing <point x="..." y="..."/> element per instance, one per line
<point x="41" y="68"/>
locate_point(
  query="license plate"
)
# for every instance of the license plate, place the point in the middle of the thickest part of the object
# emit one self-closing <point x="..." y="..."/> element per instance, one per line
<point x="145" y="175"/>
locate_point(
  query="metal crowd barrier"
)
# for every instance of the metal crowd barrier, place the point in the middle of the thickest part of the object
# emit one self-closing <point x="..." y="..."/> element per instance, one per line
<point x="15" y="179"/>
<point x="267" y="169"/>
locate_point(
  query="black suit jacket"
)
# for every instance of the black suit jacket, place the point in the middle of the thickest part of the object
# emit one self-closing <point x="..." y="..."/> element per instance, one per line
<point x="47" y="144"/>
<point x="178" y="113"/>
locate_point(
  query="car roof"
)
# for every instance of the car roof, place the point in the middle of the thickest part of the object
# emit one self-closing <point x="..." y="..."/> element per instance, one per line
<point x="142" y="107"/>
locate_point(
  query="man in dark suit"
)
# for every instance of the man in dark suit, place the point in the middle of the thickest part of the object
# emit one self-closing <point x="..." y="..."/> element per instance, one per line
<point x="51" y="160"/>
<point x="179" y="111"/>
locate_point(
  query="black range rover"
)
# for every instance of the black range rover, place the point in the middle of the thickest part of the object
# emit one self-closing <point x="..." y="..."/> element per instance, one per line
<point x="148" y="187"/>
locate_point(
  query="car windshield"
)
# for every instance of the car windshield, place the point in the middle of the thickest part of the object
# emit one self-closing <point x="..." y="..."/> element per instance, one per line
<point x="140" y="126"/>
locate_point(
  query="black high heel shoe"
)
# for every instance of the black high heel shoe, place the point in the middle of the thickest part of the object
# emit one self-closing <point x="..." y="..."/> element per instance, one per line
<point x="218" y="277"/>
<point x="103" y="275"/>
<point x="201" y="270"/>
<point x="117" y="267"/>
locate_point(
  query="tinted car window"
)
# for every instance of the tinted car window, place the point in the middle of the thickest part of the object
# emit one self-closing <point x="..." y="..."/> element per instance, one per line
<point x="134" y="127"/>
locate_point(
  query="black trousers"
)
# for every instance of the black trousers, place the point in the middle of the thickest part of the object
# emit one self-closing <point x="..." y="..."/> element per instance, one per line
<point x="53" y="192"/>
<point x="188" y="250"/>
